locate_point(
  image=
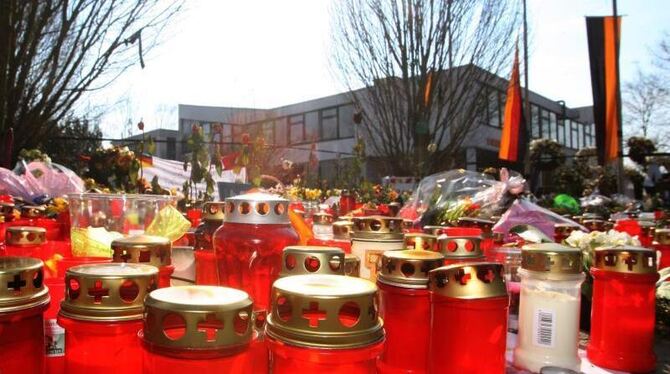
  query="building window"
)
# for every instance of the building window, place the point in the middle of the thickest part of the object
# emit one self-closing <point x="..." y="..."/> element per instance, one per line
<point x="493" y="108"/>
<point x="574" y="143"/>
<point x="280" y="131"/>
<point x="311" y="126"/>
<point x="328" y="124"/>
<point x="345" y="121"/>
<point x="544" y="115"/>
<point x="269" y="132"/>
<point x="171" y="148"/>
<point x="553" y="128"/>
<point x="535" y="121"/>
<point x="561" y="132"/>
<point x="580" y="136"/>
<point x="296" y="128"/>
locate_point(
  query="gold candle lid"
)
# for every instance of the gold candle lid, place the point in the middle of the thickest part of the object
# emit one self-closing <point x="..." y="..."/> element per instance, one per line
<point x="484" y="224"/>
<point x="25" y="236"/>
<point x="33" y="211"/>
<point x="257" y="208"/>
<point x="476" y="280"/>
<point x="107" y="292"/>
<point x="377" y="228"/>
<point x="322" y="218"/>
<point x="433" y="230"/>
<point x="324" y="311"/>
<point x="458" y="247"/>
<point x="198" y="318"/>
<point x="352" y="265"/>
<point x="407" y="224"/>
<point x="408" y="269"/>
<point x="342" y="230"/>
<point x="551" y="258"/>
<point x="23" y="281"/>
<point x="662" y="236"/>
<point x="213" y="211"/>
<point x="299" y="259"/>
<point x="142" y="249"/>
<point x="420" y="241"/>
<point x="626" y="259"/>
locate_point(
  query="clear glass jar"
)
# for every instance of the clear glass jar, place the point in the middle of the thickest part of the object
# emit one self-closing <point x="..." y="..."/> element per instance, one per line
<point x="206" y="271"/>
<point x="549" y="308"/>
<point x="372" y="236"/>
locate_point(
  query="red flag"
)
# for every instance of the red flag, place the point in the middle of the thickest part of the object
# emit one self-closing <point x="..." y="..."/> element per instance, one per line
<point x="228" y="161"/>
<point x="513" y="139"/>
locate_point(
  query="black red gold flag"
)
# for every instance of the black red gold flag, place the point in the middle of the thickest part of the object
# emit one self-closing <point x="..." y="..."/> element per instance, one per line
<point x="513" y="141"/>
<point x="603" y="35"/>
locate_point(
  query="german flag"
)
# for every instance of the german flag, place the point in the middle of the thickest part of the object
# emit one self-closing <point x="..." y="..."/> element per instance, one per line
<point x="513" y="140"/>
<point x="603" y="34"/>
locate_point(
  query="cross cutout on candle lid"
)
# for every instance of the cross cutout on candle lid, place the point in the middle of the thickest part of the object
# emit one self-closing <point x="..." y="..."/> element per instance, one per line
<point x="463" y="277"/>
<point x="390" y="266"/>
<point x="125" y="256"/>
<point x="97" y="292"/>
<point x="630" y="260"/>
<point x="210" y="327"/>
<point x="17" y="283"/>
<point x="313" y="314"/>
<point x="487" y="275"/>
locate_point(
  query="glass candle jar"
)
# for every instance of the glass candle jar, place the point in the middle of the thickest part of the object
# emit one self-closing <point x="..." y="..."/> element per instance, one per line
<point x="206" y="271"/>
<point x="322" y="226"/>
<point x="54" y="334"/>
<point x="372" y="236"/>
<point x="510" y="258"/>
<point x="249" y="245"/>
<point x="404" y="306"/>
<point x="324" y="324"/>
<point x="148" y="250"/>
<point x="26" y="241"/>
<point x="352" y="265"/>
<point x="420" y="241"/>
<point x="468" y="308"/>
<point x="23" y="300"/>
<point x="623" y="309"/>
<point x="563" y="230"/>
<point x="102" y="313"/>
<point x="551" y="277"/>
<point x="662" y="247"/>
<point x="298" y="260"/>
<point x="347" y="202"/>
<point x="460" y="249"/>
<point x="197" y="328"/>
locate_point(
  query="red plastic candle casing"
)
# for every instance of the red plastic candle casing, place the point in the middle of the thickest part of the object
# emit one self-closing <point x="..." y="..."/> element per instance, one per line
<point x="26" y="241"/>
<point x="324" y="324"/>
<point x="662" y="245"/>
<point x="148" y="250"/>
<point x="198" y="328"/>
<point x="35" y="216"/>
<point x="206" y="270"/>
<point x="623" y="309"/>
<point x="54" y="334"/>
<point x="22" y="303"/>
<point x="102" y="313"/>
<point x="347" y="202"/>
<point x="249" y="244"/>
<point x="404" y="305"/>
<point x="468" y="309"/>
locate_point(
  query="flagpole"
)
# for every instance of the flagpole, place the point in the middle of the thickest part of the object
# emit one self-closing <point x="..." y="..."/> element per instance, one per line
<point x="620" y="179"/>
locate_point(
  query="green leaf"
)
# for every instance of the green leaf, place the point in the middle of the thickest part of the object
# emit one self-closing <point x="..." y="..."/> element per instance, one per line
<point x="531" y="234"/>
<point x="219" y="168"/>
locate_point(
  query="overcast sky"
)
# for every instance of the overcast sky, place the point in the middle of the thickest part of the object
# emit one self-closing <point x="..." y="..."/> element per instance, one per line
<point x="267" y="53"/>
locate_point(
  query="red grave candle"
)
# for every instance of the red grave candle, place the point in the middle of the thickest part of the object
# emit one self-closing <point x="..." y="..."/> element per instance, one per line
<point x="404" y="305"/>
<point x="26" y="241"/>
<point x="299" y="259"/>
<point x="206" y="271"/>
<point x="249" y="244"/>
<point x="462" y="245"/>
<point x="198" y="328"/>
<point x="623" y="309"/>
<point x="324" y="324"/>
<point x="35" y="216"/>
<point x="102" y="313"/>
<point x="662" y="246"/>
<point x="468" y="309"/>
<point x="23" y="300"/>
<point x="420" y="241"/>
<point x="148" y="250"/>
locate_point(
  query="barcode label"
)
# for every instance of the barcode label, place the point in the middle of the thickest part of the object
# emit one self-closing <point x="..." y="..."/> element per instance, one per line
<point x="543" y="328"/>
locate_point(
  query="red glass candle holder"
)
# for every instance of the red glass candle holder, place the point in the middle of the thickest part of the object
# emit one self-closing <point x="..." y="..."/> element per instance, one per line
<point x="662" y="247"/>
<point x="404" y="305"/>
<point x="102" y="313"/>
<point x="623" y="309"/>
<point x="26" y="241"/>
<point x="194" y="215"/>
<point x="249" y="244"/>
<point x="206" y="271"/>
<point x="347" y="202"/>
<point x="54" y="334"/>
<point x="205" y="328"/>
<point x="468" y="309"/>
<point x="35" y="216"/>
<point x="298" y="259"/>
<point x="462" y="248"/>
<point x="324" y="324"/>
<point x="148" y="250"/>
<point x="6" y="216"/>
<point x="22" y="303"/>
